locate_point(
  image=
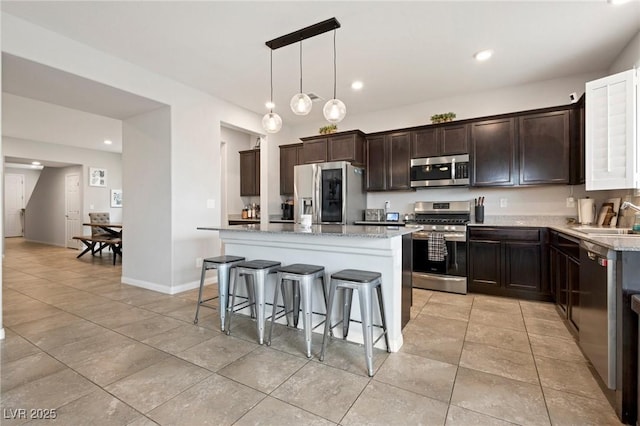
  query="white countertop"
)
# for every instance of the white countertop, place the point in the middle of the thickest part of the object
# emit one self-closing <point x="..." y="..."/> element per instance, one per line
<point x="365" y="231"/>
<point x="624" y="242"/>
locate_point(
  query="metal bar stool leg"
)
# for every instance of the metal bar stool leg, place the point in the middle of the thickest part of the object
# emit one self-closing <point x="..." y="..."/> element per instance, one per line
<point x="306" y="284"/>
<point x="259" y="283"/>
<point x="202" y="277"/>
<point x="224" y="281"/>
<point x="232" y="289"/>
<point x="327" y="324"/>
<point x="346" y="311"/>
<point x="366" y="310"/>
<point x="384" y="322"/>
<point x="279" y="284"/>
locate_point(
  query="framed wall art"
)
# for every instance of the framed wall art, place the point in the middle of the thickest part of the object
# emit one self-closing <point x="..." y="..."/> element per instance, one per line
<point x="116" y="198"/>
<point x="97" y="177"/>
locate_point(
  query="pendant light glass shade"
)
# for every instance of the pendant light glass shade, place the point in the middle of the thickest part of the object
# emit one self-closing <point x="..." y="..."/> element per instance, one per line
<point x="301" y="104"/>
<point x="271" y="122"/>
<point x="334" y="110"/>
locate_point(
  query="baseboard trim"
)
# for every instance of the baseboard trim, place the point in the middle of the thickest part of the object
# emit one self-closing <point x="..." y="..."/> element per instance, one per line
<point x="164" y="289"/>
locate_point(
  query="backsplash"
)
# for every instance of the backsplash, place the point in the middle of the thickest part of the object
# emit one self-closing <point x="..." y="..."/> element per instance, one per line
<point x="548" y="200"/>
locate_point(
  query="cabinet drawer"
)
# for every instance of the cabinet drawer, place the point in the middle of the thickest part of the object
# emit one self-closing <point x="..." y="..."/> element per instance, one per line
<point x="504" y="234"/>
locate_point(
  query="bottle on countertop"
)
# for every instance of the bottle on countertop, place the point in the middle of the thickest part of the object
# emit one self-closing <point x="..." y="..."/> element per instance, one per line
<point x="245" y="213"/>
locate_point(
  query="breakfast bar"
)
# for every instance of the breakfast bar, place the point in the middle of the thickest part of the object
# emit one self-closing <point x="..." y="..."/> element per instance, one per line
<point x="383" y="249"/>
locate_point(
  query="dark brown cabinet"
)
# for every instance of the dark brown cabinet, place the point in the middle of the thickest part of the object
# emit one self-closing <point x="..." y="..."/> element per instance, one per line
<point x="290" y="156"/>
<point x="388" y="162"/>
<point x="564" y="275"/>
<point x="493" y="152"/>
<point x="439" y="141"/>
<point x="344" y="146"/>
<point x="509" y="262"/>
<point x="545" y="144"/>
<point x="250" y="172"/>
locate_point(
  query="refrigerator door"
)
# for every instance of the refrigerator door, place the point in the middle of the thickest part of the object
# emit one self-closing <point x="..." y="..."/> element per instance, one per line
<point x="332" y="195"/>
<point x="303" y="190"/>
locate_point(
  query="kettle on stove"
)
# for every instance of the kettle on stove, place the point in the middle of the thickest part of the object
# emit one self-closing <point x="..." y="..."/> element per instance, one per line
<point x="586" y="211"/>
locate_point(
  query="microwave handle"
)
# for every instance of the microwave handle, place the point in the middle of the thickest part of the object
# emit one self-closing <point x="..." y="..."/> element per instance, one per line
<point x="453" y="169"/>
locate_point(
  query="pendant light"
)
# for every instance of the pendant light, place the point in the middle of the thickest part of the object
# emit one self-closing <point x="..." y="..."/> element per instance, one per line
<point x="301" y="102"/>
<point x="334" y="110"/>
<point x="271" y="122"/>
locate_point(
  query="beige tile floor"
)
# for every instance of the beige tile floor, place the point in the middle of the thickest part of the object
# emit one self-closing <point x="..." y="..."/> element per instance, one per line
<point x="103" y="353"/>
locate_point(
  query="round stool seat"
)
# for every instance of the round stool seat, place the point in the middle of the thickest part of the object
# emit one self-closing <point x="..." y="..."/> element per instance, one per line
<point x="356" y="275"/>
<point x="258" y="264"/>
<point x="223" y="259"/>
<point x="301" y="269"/>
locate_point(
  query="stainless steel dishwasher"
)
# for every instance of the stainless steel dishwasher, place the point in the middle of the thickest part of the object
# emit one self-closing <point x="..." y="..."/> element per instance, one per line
<point x="597" y="334"/>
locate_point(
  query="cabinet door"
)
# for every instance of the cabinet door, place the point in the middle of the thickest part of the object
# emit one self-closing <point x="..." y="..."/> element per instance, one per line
<point x="424" y="143"/>
<point x="573" y="280"/>
<point x="315" y="151"/>
<point x="249" y="173"/>
<point x="376" y="172"/>
<point x="288" y="159"/>
<point x="611" y="151"/>
<point x="345" y="148"/>
<point x="484" y="265"/>
<point x="493" y="156"/>
<point x="544" y="148"/>
<point x="398" y="161"/>
<point x="523" y="266"/>
<point x="454" y="140"/>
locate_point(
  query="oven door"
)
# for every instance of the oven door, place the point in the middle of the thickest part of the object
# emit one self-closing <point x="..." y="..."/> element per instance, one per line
<point x="448" y="275"/>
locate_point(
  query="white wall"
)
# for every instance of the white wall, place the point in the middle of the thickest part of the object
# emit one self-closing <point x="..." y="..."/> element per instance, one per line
<point x="45" y="213"/>
<point x="95" y="198"/>
<point x="31" y="177"/>
<point x="628" y="58"/>
<point x="236" y="141"/>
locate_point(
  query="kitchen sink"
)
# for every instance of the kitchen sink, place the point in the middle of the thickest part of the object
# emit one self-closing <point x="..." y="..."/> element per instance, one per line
<point x="606" y="232"/>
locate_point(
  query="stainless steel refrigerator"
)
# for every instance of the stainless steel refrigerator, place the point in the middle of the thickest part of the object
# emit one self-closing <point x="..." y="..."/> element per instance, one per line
<point x="329" y="192"/>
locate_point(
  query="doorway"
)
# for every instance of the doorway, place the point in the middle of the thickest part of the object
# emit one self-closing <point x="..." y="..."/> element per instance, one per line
<point x="13" y="205"/>
<point x="73" y="226"/>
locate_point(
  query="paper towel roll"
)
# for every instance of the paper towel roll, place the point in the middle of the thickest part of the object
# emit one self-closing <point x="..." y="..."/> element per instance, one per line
<point x="586" y="211"/>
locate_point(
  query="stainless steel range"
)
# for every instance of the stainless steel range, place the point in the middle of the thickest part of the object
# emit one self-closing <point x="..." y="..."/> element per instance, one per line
<point x="440" y="250"/>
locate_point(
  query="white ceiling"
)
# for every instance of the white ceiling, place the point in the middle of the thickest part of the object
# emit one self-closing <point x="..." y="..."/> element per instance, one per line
<point x="404" y="52"/>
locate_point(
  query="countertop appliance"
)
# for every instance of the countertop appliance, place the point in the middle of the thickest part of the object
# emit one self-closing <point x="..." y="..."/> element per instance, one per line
<point x="451" y="170"/>
<point x="287" y="210"/>
<point x="597" y="334"/>
<point x="441" y="220"/>
<point x="329" y="192"/>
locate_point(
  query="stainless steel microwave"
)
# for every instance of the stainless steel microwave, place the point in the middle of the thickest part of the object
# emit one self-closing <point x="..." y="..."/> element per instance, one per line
<point x="450" y="170"/>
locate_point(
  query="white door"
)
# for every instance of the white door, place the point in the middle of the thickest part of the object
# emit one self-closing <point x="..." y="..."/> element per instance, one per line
<point x="13" y="204"/>
<point x="72" y="202"/>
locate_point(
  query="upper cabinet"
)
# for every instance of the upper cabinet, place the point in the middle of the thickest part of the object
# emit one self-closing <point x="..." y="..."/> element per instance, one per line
<point x="493" y="152"/>
<point x="438" y="141"/>
<point x="388" y="162"/>
<point x="612" y="152"/>
<point x="343" y="146"/>
<point x="545" y="144"/>
<point x="290" y="156"/>
<point x="250" y="173"/>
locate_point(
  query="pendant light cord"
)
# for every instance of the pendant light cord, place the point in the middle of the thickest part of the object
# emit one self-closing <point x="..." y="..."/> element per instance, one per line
<point x="271" y="71"/>
<point x="300" y="66"/>
<point x="334" y="64"/>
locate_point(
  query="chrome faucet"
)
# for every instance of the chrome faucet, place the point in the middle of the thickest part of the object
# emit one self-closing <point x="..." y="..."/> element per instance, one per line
<point x="628" y="205"/>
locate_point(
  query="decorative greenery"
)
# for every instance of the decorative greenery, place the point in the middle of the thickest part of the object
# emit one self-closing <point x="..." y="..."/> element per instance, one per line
<point x="330" y="128"/>
<point x="443" y="118"/>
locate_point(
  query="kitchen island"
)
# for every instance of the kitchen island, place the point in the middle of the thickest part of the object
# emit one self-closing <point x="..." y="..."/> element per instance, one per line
<point x="383" y="249"/>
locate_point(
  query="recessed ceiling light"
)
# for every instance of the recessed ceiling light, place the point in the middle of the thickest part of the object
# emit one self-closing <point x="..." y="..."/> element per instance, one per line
<point x="483" y="55"/>
<point x="270" y="105"/>
<point x="107" y="142"/>
<point x="36" y="163"/>
<point x="356" y="85"/>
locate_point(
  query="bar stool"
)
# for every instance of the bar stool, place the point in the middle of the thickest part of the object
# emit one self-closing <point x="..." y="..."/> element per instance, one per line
<point x="256" y="271"/>
<point x="301" y="277"/>
<point x="364" y="282"/>
<point x="223" y="264"/>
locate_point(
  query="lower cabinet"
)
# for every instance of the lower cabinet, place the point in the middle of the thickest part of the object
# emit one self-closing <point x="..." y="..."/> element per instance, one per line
<point x="506" y="261"/>
<point x="564" y="275"/>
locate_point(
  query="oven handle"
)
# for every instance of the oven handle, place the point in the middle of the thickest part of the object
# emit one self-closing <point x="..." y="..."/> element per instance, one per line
<point x="453" y="237"/>
<point x="453" y="170"/>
